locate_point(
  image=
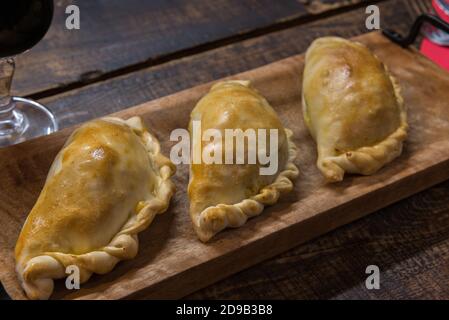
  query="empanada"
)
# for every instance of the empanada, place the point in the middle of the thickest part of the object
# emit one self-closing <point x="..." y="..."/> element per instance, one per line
<point x="226" y="195"/>
<point x="352" y="107"/>
<point x="104" y="187"/>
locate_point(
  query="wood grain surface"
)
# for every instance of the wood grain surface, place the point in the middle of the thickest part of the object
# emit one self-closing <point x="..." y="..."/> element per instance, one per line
<point x="408" y="240"/>
<point x="148" y="32"/>
<point x="172" y="262"/>
<point x="122" y="92"/>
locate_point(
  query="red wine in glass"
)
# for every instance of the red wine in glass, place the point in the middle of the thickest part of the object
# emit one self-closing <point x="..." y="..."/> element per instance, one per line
<point x="23" y="23"/>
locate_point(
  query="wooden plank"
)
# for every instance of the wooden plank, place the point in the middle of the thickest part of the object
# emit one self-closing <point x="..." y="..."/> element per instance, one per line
<point x="172" y="262"/>
<point x="409" y="241"/>
<point x="117" y="34"/>
<point x="113" y="95"/>
<point x="260" y="282"/>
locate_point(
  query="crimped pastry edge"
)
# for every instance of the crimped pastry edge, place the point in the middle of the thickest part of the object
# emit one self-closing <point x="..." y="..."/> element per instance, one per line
<point x="37" y="275"/>
<point x="216" y="218"/>
<point x="333" y="168"/>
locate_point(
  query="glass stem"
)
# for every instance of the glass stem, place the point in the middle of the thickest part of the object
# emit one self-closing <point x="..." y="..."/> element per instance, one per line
<point x="11" y="122"/>
<point x="7" y="67"/>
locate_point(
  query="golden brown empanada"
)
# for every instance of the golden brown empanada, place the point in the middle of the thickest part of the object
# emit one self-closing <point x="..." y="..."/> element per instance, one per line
<point x="104" y="187"/>
<point x="226" y="195"/>
<point x="352" y="107"/>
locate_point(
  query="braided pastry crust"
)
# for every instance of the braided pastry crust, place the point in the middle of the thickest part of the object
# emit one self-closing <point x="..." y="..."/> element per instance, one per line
<point x="37" y="265"/>
<point x="226" y="195"/>
<point x="217" y="218"/>
<point x="353" y="108"/>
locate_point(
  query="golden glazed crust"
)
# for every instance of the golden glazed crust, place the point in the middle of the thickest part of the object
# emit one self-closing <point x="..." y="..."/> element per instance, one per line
<point x="352" y="107"/>
<point x="226" y="195"/>
<point x="104" y="187"/>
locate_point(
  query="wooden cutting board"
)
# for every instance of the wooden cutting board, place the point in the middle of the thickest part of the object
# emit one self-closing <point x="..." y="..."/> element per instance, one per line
<point x="171" y="262"/>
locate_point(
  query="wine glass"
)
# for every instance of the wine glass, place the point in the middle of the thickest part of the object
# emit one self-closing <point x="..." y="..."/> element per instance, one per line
<point x="23" y="23"/>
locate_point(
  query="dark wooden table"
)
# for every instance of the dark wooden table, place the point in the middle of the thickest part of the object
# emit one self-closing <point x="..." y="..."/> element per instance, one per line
<point x="129" y="52"/>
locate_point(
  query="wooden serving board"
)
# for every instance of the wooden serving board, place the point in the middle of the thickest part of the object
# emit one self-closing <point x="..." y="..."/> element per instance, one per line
<point x="172" y="262"/>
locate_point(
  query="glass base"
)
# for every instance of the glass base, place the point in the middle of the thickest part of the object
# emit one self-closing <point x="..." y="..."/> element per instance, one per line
<point x="28" y="119"/>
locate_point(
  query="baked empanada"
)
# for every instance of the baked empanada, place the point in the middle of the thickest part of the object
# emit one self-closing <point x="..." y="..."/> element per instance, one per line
<point x="226" y="195"/>
<point x="352" y="107"/>
<point x="104" y="187"/>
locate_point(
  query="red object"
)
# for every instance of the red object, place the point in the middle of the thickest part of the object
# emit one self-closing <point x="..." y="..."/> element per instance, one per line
<point x="436" y="53"/>
<point x="440" y="11"/>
